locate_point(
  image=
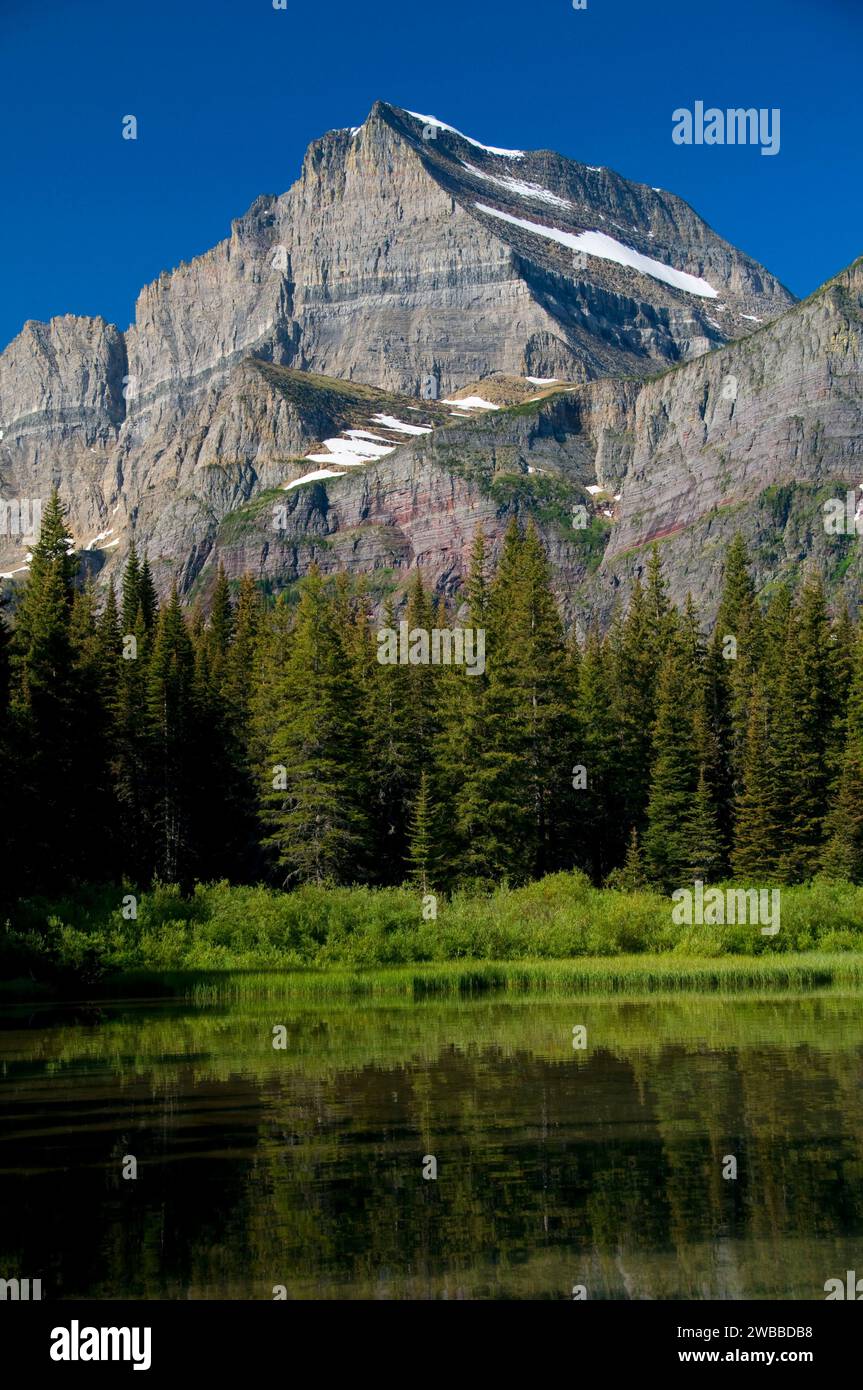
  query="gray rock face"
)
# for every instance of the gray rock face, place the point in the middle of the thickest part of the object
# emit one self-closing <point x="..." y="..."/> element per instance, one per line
<point x="753" y="438"/>
<point x="379" y="265"/>
<point x="61" y="406"/>
<point x="407" y="256"/>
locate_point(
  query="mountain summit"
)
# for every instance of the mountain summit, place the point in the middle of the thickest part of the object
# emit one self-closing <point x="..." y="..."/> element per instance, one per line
<point x="423" y="334"/>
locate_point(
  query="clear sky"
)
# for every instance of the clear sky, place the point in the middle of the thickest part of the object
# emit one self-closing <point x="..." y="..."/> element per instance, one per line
<point x="228" y="93"/>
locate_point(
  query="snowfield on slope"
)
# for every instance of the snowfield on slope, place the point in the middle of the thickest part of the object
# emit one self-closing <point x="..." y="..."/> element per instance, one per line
<point x="608" y="249"/>
<point x="473" y="403"/>
<point x="442" y="125"/>
<point x="521" y="189"/>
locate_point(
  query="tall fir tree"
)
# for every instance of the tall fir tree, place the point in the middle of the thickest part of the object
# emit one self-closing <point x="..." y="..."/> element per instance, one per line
<point x="175" y="754"/>
<point x="44" y="706"/>
<point x="312" y="787"/>
<point x="756" y="841"/>
<point x="677" y="766"/>
<point x="596" y="789"/>
<point x="422" y="852"/>
<point x="393" y="765"/>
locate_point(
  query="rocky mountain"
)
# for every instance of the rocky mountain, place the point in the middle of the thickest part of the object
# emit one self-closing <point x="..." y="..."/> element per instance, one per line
<point x="432" y="333"/>
<point x="755" y="438"/>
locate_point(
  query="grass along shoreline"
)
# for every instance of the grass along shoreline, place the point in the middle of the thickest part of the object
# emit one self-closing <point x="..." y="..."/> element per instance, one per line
<point x="601" y="977"/>
<point x="560" y="933"/>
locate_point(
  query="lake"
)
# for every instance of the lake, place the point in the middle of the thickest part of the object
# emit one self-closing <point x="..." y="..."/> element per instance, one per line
<point x="605" y="1166"/>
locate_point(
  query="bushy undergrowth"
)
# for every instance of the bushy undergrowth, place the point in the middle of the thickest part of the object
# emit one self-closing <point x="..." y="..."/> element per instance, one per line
<point x="220" y="927"/>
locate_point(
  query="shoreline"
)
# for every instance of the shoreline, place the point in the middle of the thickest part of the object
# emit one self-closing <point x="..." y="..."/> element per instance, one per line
<point x="633" y="976"/>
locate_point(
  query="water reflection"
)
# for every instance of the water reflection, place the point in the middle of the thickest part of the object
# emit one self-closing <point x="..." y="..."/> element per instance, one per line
<point x="556" y="1167"/>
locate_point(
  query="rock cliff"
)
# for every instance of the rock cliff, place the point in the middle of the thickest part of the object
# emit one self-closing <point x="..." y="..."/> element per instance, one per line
<point x="362" y="326"/>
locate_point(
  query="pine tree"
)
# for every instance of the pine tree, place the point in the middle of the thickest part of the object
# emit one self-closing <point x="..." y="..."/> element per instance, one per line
<point x="44" y="704"/>
<point x="701" y="846"/>
<point x="631" y="878"/>
<point x="477" y="581"/>
<point x="174" y="751"/>
<point x="237" y="673"/>
<point x="675" y="774"/>
<point x="508" y="806"/>
<point x="735" y="657"/>
<point x="600" y="843"/>
<point x="130" y="590"/>
<point x="89" y="755"/>
<point x="803" y="721"/>
<point x="756" y="843"/>
<point x="391" y="756"/>
<point x="313" y="794"/>
<point x="843" y="851"/>
<point x="637" y="645"/>
<point x="461" y="743"/>
<point x="221" y="624"/>
<point x="421" y="678"/>
<point x="661" y="616"/>
<point x="147" y="596"/>
<point x="422" y="855"/>
<point x="132" y="769"/>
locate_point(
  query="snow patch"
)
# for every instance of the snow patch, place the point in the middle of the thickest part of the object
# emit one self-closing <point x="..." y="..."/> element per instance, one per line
<point x="359" y="448"/>
<point x="313" y="477"/>
<point x="753" y="318"/>
<point x="343" y="460"/>
<point x="473" y="403"/>
<point x="442" y="125"/>
<point x="541" y="380"/>
<point x="608" y="249"/>
<point x="391" y="423"/>
<point x="367" y="434"/>
<point x="522" y="190"/>
<point x="101" y="536"/>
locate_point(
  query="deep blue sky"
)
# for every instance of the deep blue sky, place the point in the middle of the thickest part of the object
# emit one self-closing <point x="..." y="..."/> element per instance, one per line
<point x="228" y="93"/>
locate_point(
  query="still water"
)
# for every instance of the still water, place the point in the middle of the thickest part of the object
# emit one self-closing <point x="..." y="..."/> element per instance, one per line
<point x="556" y="1166"/>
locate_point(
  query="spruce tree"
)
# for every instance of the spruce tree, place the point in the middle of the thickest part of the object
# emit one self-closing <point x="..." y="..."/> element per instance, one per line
<point x="221" y="625"/>
<point x="391" y="755"/>
<point x="756" y="842"/>
<point x="467" y="842"/>
<point x="803" y="722"/>
<point x="675" y="774"/>
<point x="44" y="705"/>
<point x="600" y="844"/>
<point x="701" y="845"/>
<point x="637" y="645"/>
<point x="173" y="744"/>
<point x="510" y="809"/>
<point x="422" y="852"/>
<point x="312" y="788"/>
<point x="147" y="597"/>
<point x="842" y="856"/>
<point x="843" y="851"/>
<point x="132" y="768"/>
<point x="130" y="590"/>
<point x="631" y="878"/>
